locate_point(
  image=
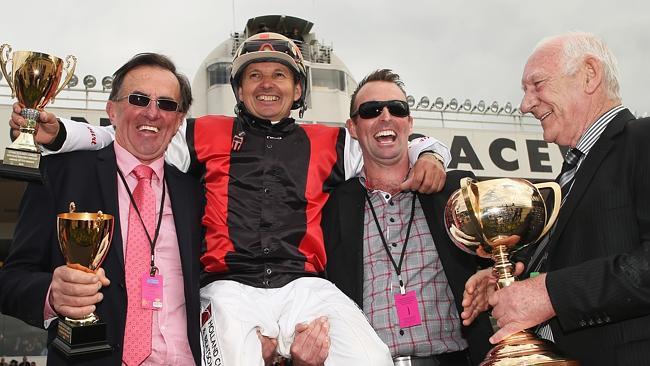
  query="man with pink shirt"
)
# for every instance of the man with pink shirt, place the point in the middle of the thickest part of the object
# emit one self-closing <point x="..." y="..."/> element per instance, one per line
<point x="147" y="105"/>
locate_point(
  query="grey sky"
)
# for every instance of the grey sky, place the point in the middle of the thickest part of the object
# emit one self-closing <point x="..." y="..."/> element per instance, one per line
<point x="455" y="48"/>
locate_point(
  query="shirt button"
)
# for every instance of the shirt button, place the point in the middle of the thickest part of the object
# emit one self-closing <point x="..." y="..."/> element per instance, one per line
<point x="267" y="190"/>
<point x="394" y="244"/>
<point x="391" y="203"/>
<point x="387" y="196"/>
<point x="269" y="146"/>
<point x="266" y="250"/>
<point x="391" y="219"/>
<point x="268" y="271"/>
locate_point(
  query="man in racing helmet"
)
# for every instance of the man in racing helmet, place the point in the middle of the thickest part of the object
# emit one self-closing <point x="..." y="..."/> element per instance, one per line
<point x="272" y="47"/>
<point x="267" y="179"/>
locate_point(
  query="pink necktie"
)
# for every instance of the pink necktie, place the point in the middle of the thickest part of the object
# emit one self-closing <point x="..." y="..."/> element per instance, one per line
<point x="137" y="334"/>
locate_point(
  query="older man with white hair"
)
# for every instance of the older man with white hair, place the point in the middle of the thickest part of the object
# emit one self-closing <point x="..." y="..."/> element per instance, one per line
<point x="593" y="289"/>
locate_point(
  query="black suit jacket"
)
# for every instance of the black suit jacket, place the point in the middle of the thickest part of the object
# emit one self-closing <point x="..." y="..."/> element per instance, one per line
<point x="599" y="255"/>
<point x="89" y="178"/>
<point x="343" y="218"/>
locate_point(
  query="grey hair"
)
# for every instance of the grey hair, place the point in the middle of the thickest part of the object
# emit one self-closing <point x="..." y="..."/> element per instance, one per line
<point x="576" y="46"/>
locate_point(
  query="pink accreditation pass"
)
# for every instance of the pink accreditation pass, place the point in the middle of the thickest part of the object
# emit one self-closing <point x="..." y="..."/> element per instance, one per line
<point x="408" y="310"/>
<point x="152" y="294"/>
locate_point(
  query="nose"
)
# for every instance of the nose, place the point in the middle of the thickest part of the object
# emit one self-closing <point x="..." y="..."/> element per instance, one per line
<point x="266" y="81"/>
<point x="152" y="110"/>
<point x="528" y="102"/>
<point x="385" y="114"/>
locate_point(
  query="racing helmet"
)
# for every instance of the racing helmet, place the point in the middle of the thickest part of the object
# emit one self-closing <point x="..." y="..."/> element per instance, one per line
<point x="270" y="47"/>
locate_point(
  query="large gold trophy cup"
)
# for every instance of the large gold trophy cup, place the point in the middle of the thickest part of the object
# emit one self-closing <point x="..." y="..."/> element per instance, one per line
<point x="492" y="219"/>
<point x="34" y="80"/>
<point x="84" y="239"/>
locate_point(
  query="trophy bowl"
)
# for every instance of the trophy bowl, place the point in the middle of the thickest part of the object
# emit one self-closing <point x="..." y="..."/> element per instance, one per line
<point x="493" y="219"/>
<point x="35" y="80"/>
<point x="498" y="216"/>
<point x="84" y="239"/>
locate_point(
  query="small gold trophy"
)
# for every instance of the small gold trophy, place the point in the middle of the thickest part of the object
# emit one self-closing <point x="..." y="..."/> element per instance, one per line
<point x="34" y="81"/>
<point x="84" y="239"/>
<point x="492" y="219"/>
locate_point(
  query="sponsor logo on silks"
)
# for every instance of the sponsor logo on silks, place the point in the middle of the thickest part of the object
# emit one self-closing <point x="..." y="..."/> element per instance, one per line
<point x="93" y="136"/>
<point x="209" y="339"/>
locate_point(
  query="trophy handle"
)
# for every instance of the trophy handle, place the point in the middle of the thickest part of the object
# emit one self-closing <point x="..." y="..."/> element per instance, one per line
<point x="70" y="65"/>
<point x="557" y="195"/>
<point x="465" y="185"/>
<point x="4" y="58"/>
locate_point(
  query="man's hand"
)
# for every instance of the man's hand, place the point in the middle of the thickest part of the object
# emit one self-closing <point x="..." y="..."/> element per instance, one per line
<point x="478" y="289"/>
<point x="520" y="306"/>
<point x="269" y="348"/>
<point x="427" y="176"/>
<point x="74" y="293"/>
<point x="46" y="129"/>
<point x="311" y="343"/>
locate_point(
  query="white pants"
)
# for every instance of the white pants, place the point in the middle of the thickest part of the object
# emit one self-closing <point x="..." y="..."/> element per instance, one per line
<point x="232" y="312"/>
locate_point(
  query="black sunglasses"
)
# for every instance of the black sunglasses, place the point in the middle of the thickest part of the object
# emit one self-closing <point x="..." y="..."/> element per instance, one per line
<point x="372" y="109"/>
<point x="140" y="100"/>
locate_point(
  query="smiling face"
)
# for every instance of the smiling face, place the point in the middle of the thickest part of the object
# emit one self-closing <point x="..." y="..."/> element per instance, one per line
<point x="557" y="100"/>
<point x="268" y="90"/>
<point x="383" y="139"/>
<point x="145" y="131"/>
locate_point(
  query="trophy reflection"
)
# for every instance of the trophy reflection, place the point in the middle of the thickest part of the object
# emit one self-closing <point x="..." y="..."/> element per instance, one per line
<point x="492" y="219"/>
<point x="84" y="239"/>
<point x="34" y="81"/>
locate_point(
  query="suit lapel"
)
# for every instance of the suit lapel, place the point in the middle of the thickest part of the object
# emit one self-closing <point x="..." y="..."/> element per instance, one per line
<point x="180" y="206"/>
<point x="107" y="182"/>
<point x="588" y="168"/>
<point x="353" y="201"/>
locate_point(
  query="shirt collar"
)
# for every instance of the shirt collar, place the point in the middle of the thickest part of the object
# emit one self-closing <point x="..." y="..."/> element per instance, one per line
<point x="592" y="134"/>
<point x="127" y="162"/>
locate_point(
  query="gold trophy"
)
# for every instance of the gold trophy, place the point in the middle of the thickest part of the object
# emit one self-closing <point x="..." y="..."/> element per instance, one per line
<point x="492" y="219"/>
<point x="34" y="81"/>
<point x="84" y="239"/>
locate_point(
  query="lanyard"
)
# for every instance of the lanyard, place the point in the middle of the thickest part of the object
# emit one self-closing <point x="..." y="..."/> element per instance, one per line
<point x="398" y="267"/>
<point x="152" y="243"/>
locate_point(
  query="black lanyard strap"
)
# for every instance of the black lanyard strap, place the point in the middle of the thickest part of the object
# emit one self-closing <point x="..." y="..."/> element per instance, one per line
<point x="152" y="243"/>
<point x="398" y="267"/>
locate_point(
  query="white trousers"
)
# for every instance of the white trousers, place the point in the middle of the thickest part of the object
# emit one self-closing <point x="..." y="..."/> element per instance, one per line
<point x="232" y="312"/>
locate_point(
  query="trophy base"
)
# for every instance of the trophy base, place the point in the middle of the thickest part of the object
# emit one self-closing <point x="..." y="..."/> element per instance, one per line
<point x="525" y="348"/>
<point x="21" y="165"/>
<point x="76" y="340"/>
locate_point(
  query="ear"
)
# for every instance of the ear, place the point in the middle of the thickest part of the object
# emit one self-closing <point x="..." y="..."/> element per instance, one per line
<point x="110" y="110"/>
<point x="352" y="128"/>
<point x="297" y="92"/>
<point x="593" y="70"/>
<point x="239" y="92"/>
<point x="410" y="125"/>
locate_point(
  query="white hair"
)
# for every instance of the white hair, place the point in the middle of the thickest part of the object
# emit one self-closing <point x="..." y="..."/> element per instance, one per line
<point x="577" y="46"/>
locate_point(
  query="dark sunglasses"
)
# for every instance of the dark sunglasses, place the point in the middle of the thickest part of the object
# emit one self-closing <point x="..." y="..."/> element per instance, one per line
<point x="140" y="100"/>
<point x="372" y="109"/>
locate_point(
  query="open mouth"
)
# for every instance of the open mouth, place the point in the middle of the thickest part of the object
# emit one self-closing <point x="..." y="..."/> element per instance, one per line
<point x="385" y="136"/>
<point x="543" y="117"/>
<point x="267" y="98"/>
<point x="153" y="129"/>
